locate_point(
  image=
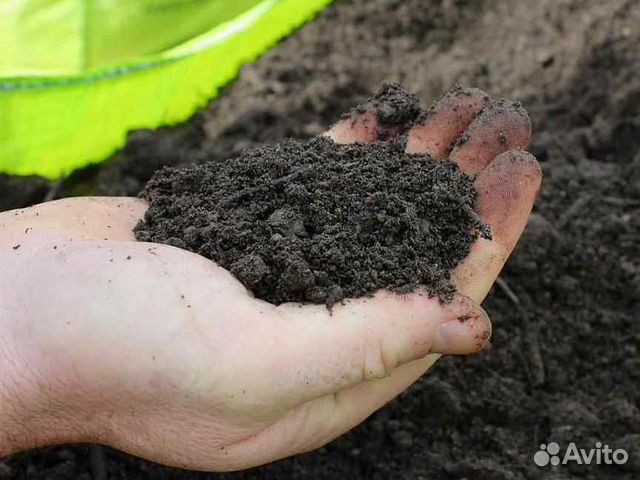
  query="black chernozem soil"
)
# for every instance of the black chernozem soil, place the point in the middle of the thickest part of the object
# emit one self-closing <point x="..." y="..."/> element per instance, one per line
<point x="317" y="221"/>
<point x="564" y="364"/>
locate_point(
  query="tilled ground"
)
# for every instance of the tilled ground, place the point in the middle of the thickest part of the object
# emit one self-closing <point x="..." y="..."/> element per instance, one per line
<point x="564" y="364"/>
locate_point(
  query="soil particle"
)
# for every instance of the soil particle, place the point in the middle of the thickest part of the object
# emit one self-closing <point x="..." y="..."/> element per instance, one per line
<point x="317" y="221"/>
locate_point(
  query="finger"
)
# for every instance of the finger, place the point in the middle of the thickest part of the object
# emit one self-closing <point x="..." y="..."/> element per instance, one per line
<point x="320" y="352"/>
<point x="82" y="218"/>
<point x="387" y="114"/>
<point x="507" y="189"/>
<point x="446" y="121"/>
<point x="502" y="125"/>
<point x="357" y="127"/>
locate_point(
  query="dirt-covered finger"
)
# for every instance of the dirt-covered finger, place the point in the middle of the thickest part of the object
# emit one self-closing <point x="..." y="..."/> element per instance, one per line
<point x="507" y="189"/>
<point x="437" y="129"/>
<point x="390" y="112"/>
<point x="501" y="126"/>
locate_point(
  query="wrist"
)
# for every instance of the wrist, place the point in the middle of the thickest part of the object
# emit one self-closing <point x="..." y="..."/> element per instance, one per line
<point x="13" y="425"/>
<point x="32" y="414"/>
<point x="43" y="398"/>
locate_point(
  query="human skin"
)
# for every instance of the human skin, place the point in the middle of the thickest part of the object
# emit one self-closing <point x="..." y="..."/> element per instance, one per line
<point x="159" y="352"/>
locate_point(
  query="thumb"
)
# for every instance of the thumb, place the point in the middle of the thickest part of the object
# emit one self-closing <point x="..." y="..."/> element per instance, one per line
<point x="321" y="352"/>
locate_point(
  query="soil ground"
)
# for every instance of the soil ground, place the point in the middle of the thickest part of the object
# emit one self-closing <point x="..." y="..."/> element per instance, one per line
<point x="564" y="364"/>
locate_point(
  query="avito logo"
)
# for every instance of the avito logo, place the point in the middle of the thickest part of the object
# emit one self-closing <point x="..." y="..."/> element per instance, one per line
<point x="550" y="454"/>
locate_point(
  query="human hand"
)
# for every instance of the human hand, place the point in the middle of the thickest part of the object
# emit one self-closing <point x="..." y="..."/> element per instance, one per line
<point x="159" y="352"/>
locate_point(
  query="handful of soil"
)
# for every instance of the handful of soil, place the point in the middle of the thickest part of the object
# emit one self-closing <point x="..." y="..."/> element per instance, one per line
<point x="317" y="221"/>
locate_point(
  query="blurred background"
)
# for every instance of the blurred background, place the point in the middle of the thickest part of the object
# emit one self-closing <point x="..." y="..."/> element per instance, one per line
<point x="564" y="363"/>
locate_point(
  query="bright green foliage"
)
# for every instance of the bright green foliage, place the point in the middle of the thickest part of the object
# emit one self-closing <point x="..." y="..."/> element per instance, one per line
<point x="77" y="75"/>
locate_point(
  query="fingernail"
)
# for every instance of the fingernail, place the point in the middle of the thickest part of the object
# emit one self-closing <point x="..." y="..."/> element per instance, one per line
<point x="467" y="334"/>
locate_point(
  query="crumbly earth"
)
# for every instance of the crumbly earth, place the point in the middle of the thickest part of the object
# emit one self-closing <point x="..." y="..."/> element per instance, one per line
<point x="319" y="222"/>
<point x="564" y="364"/>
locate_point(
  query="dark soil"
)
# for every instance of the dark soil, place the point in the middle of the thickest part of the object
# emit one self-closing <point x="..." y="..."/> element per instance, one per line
<point x="317" y="221"/>
<point x="18" y="192"/>
<point x="564" y="363"/>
